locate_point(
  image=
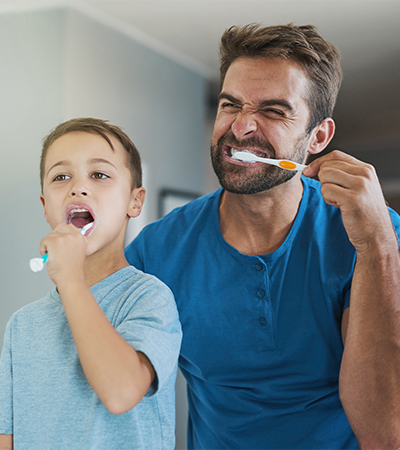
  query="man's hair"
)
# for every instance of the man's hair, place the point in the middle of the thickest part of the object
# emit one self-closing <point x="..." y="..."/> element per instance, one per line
<point x="303" y="44"/>
<point x="105" y="130"/>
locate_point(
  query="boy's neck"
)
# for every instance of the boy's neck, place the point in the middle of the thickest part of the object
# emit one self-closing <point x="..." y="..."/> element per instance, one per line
<point x="98" y="267"/>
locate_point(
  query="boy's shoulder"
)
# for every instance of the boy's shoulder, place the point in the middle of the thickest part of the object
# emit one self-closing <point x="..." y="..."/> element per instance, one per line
<point x="129" y="288"/>
<point x="129" y="280"/>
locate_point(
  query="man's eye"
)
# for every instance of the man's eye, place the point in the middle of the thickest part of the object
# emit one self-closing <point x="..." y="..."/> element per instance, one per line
<point x="61" y="177"/>
<point x="229" y="106"/>
<point x="99" y="176"/>
<point x="274" y="112"/>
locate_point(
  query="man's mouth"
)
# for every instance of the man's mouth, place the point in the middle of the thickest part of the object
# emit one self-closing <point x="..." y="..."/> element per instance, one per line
<point x="80" y="216"/>
<point x="230" y="152"/>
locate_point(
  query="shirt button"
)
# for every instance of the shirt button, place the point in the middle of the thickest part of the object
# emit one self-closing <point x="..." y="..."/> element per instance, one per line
<point x="261" y="293"/>
<point x="259" y="266"/>
<point x="263" y="321"/>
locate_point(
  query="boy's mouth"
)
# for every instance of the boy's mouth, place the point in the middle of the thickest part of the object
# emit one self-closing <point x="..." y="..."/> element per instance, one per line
<point x="79" y="216"/>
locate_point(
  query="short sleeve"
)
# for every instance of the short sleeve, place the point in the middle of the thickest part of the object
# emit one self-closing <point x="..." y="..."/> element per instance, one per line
<point x="6" y="385"/>
<point x="152" y="327"/>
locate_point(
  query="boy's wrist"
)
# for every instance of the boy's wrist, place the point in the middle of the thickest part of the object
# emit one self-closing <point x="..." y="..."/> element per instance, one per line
<point x="72" y="288"/>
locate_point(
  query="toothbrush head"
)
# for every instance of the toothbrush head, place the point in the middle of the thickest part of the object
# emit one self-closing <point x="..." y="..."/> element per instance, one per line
<point x="36" y="264"/>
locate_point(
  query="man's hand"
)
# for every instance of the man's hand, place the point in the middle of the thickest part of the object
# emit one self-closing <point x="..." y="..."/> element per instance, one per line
<point x="353" y="187"/>
<point x="67" y="251"/>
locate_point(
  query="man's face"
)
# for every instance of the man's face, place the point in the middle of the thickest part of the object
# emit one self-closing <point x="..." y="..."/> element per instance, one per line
<point x="262" y="109"/>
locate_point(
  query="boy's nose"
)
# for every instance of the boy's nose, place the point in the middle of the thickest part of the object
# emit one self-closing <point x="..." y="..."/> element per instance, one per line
<point x="75" y="192"/>
<point x="78" y="189"/>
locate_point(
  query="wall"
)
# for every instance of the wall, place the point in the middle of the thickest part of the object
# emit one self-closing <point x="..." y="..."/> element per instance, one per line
<point x="31" y="80"/>
<point x="58" y="64"/>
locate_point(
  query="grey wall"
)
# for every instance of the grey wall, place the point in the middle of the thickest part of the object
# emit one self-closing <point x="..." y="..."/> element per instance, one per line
<point x="60" y="64"/>
<point x="31" y="84"/>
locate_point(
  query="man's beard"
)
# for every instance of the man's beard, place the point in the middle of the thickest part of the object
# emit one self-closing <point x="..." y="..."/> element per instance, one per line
<point x="244" y="180"/>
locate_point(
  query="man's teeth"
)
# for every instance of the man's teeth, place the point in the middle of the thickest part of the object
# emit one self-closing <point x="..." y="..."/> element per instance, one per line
<point x="234" y="151"/>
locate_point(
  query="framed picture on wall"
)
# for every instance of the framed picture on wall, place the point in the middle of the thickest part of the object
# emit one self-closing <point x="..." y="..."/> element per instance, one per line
<point x="170" y="199"/>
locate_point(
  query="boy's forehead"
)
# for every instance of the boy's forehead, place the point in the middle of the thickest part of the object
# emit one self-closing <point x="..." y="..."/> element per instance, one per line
<point x="82" y="142"/>
<point x="82" y="138"/>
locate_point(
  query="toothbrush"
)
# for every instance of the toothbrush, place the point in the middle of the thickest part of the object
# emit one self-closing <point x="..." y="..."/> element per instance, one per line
<point x="282" y="163"/>
<point x="37" y="264"/>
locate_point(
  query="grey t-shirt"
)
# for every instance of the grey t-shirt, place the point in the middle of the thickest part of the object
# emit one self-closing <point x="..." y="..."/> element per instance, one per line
<point x="45" y="399"/>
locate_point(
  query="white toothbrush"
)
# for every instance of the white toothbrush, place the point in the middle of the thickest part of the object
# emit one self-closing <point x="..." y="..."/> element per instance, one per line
<point x="37" y="264"/>
<point x="282" y="163"/>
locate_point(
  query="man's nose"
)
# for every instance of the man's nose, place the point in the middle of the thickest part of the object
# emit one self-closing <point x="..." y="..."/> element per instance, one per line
<point x="245" y="124"/>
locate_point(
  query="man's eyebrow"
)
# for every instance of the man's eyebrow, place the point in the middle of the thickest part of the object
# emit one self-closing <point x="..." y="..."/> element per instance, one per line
<point x="275" y="102"/>
<point x="262" y="105"/>
<point x="231" y="98"/>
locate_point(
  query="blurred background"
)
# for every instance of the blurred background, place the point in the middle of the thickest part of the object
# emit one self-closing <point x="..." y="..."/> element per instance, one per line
<point x="151" y="67"/>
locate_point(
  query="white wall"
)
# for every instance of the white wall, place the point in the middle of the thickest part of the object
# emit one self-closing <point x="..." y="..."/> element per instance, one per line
<point x="60" y="64"/>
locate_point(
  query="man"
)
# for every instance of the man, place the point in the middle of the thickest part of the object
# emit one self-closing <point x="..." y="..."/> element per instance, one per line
<point x="288" y="288"/>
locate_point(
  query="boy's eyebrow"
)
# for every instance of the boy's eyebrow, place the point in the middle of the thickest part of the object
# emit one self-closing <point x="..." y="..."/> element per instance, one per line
<point x="101" y="160"/>
<point x="263" y="104"/>
<point x="65" y="162"/>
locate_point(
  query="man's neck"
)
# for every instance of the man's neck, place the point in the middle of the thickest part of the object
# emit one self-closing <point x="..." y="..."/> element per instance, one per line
<point x="258" y="224"/>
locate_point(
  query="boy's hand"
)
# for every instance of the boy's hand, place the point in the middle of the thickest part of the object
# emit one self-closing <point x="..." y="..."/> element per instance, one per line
<point x="353" y="187"/>
<point x="67" y="252"/>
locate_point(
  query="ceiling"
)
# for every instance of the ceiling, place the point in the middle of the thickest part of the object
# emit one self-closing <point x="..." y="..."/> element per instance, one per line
<point x="366" y="31"/>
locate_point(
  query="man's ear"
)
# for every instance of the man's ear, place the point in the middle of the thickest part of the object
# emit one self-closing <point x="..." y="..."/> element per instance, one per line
<point x="44" y="205"/>
<point x="321" y="136"/>
<point x="137" y="200"/>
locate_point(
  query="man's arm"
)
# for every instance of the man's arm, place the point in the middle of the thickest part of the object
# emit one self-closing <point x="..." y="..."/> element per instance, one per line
<point x="6" y="442"/>
<point x="369" y="382"/>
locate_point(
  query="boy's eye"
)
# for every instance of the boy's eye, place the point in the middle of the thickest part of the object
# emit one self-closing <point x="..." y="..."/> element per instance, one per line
<point x="99" y="176"/>
<point x="61" y="177"/>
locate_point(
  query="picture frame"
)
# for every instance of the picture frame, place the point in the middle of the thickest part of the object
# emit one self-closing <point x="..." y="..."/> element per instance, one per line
<point x="170" y="199"/>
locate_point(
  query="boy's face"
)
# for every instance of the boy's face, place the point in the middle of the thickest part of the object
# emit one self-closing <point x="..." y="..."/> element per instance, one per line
<point x="85" y="180"/>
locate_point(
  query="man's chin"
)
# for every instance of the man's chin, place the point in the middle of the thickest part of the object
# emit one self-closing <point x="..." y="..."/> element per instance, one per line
<point x="255" y="186"/>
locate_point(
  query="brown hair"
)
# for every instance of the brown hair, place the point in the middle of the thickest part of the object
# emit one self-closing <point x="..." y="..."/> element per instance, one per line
<point x="105" y="130"/>
<point x="319" y="59"/>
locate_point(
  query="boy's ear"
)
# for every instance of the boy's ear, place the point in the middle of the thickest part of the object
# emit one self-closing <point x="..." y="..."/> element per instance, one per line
<point x="137" y="200"/>
<point x="44" y="205"/>
<point x="321" y="136"/>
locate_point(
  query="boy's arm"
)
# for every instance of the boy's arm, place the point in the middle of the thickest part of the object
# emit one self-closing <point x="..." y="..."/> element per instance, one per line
<point x="118" y="374"/>
<point x="6" y="442"/>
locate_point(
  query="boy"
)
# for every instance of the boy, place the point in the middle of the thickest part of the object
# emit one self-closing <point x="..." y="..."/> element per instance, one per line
<point x="93" y="364"/>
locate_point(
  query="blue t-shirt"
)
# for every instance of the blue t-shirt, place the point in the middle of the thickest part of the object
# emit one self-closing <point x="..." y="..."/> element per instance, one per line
<point x="45" y="399"/>
<point x="262" y="342"/>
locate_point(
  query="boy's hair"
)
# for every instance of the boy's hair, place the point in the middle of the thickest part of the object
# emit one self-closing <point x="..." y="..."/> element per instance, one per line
<point x="303" y="44"/>
<point x="105" y="130"/>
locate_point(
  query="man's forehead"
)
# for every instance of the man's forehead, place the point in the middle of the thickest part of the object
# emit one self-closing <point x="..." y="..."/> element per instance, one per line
<point x="261" y="79"/>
